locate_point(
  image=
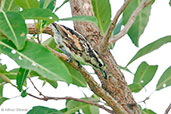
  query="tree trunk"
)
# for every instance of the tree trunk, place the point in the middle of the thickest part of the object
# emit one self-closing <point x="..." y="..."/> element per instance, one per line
<point x="115" y="84"/>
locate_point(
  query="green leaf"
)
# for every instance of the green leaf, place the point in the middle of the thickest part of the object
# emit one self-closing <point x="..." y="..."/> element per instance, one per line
<point x="51" y="82"/>
<point x="3" y="68"/>
<point x="14" y="27"/>
<point x="144" y="74"/>
<point x="21" y="78"/>
<point x="80" y="18"/>
<point x="40" y="14"/>
<point x="117" y="28"/>
<point x="150" y="47"/>
<point x="3" y="99"/>
<point x="1" y="89"/>
<point x="165" y="79"/>
<point x="37" y="58"/>
<point x="10" y="5"/>
<point x="135" y="87"/>
<point x="77" y="78"/>
<point x="102" y="11"/>
<point x="49" y="4"/>
<point x="28" y="3"/>
<point x="50" y="42"/>
<point x="2" y="37"/>
<point x="91" y="110"/>
<point x="24" y="93"/>
<point x="170" y="3"/>
<point x="43" y="110"/>
<point x="63" y="110"/>
<point x="74" y="106"/>
<point x="12" y="74"/>
<point x="65" y="1"/>
<point x="44" y="3"/>
<point x="147" y="111"/>
<point x="141" y="20"/>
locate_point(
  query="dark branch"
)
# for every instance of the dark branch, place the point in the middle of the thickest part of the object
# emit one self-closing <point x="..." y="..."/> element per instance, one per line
<point x="168" y="109"/>
<point x="40" y="93"/>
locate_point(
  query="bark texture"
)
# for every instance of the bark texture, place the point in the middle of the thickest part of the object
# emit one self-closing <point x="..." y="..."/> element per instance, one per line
<point x="115" y="85"/>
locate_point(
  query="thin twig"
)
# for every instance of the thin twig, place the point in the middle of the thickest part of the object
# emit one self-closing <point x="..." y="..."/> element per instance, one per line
<point x="46" y="98"/>
<point x="147" y="98"/>
<point x="32" y="30"/>
<point x="104" y="42"/>
<point x="6" y="80"/>
<point x="168" y="109"/>
<point x="74" y="99"/>
<point x="148" y="3"/>
<point x="38" y="38"/>
<point x="40" y="98"/>
<point x="131" y="20"/>
<point x="40" y="93"/>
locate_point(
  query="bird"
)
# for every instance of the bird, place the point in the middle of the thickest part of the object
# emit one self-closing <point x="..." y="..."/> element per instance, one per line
<point x="74" y="45"/>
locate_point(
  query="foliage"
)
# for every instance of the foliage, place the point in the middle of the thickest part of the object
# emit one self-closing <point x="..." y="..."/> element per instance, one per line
<point x="100" y="8"/>
<point x="143" y="76"/>
<point x="74" y="106"/>
<point x="140" y="23"/>
<point x="35" y="60"/>
<point x="43" y="110"/>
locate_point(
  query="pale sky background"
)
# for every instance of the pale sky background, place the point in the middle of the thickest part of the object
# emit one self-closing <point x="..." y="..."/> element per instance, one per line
<point x="159" y="26"/>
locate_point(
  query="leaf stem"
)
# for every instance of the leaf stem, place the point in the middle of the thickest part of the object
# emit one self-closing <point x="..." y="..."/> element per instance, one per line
<point x="40" y="93"/>
<point x="2" y="5"/>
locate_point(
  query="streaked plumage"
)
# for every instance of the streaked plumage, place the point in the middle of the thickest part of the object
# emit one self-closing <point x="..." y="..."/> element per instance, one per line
<point x="77" y="46"/>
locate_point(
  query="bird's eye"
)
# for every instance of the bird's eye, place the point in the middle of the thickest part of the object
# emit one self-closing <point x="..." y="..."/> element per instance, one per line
<point x="100" y="65"/>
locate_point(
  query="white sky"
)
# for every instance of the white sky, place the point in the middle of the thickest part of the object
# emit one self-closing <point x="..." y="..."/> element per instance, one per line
<point x="158" y="26"/>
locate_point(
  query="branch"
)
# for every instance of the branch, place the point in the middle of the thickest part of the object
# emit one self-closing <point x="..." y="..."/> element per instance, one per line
<point x="168" y="109"/>
<point x="40" y="93"/>
<point x="74" y="99"/>
<point x="32" y="29"/>
<point x="46" y="98"/>
<point x="84" y="101"/>
<point x="131" y="20"/>
<point x="6" y="80"/>
<point x="94" y="86"/>
<point x="105" y="40"/>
